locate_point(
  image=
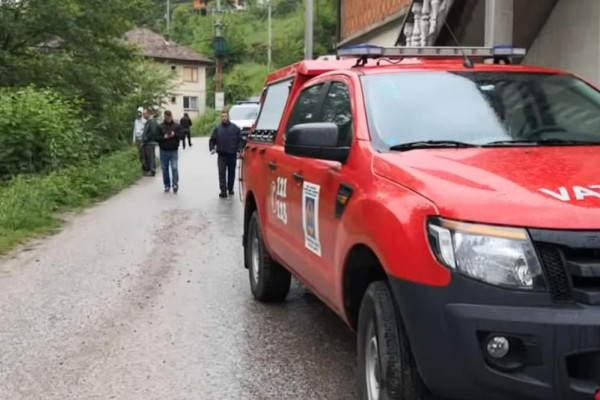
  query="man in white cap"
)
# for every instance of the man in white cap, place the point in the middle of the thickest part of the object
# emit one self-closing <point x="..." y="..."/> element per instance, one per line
<point x="138" y="130"/>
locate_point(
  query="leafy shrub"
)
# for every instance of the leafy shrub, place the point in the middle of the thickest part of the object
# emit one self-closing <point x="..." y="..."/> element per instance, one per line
<point x="40" y="130"/>
<point x="204" y="125"/>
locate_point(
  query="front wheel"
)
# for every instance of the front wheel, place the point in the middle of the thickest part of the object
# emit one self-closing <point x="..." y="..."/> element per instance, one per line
<point x="269" y="281"/>
<point x="385" y="362"/>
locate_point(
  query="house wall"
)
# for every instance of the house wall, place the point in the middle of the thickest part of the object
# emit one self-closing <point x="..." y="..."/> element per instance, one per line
<point x="358" y="16"/>
<point x="570" y="39"/>
<point x="189" y="89"/>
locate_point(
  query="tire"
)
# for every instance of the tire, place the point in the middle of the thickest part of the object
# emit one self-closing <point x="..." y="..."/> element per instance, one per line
<point x="383" y="347"/>
<point x="269" y="281"/>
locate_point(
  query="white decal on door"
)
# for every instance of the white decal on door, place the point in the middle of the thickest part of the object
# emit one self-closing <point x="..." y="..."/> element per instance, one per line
<point x="278" y="199"/>
<point x="310" y="217"/>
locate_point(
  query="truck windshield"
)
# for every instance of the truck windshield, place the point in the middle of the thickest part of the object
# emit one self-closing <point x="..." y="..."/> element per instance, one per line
<point x="481" y="108"/>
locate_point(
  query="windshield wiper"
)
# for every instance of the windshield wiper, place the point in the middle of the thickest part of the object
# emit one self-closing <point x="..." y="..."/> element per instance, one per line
<point x="534" y="142"/>
<point x="430" y="144"/>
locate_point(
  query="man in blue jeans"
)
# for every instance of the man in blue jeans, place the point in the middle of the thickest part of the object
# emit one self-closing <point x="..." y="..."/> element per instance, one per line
<point x="168" y="142"/>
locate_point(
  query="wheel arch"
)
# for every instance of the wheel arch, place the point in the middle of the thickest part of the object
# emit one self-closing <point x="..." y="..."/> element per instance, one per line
<point x="250" y="206"/>
<point x="362" y="267"/>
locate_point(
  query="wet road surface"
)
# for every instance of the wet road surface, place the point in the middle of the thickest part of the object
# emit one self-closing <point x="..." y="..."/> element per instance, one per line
<point x="144" y="297"/>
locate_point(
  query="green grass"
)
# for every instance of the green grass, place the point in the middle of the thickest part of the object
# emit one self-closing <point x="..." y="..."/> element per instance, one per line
<point x="204" y="125"/>
<point x="29" y="205"/>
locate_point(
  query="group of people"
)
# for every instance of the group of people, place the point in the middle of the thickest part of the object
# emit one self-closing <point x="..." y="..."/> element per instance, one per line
<point x="147" y="133"/>
<point x="225" y="141"/>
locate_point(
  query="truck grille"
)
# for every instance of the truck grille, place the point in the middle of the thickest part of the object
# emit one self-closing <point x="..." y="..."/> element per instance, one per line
<point x="571" y="261"/>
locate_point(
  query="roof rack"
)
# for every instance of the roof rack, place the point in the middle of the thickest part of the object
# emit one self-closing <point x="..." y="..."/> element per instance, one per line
<point x="364" y="52"/>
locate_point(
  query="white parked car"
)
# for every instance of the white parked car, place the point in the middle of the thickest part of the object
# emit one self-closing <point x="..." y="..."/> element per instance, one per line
<point x="243" y="114"/>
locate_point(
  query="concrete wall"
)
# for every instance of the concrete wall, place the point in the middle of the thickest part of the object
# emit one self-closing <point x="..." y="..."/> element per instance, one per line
<point x="570" y="39"/>
<point x="192" y="89"/>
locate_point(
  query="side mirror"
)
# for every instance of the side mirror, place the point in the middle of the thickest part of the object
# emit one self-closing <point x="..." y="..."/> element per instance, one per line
<point x="316" y="140"/>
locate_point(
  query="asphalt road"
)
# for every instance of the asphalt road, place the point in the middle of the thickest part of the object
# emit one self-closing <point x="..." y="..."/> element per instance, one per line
<point x="144" y="296"/>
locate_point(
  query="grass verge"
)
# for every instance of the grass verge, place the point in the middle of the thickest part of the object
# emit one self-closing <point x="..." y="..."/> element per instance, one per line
<point x="29" y="204"/>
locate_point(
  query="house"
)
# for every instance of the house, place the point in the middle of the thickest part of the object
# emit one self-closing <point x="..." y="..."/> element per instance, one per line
<point x="189" y="67"/>
<point x="556" y="33"/>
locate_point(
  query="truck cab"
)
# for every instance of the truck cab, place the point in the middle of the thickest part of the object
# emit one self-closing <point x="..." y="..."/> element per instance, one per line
<point x="445" y="203"/>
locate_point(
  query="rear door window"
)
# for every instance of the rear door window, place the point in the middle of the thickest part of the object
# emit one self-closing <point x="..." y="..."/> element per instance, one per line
<point x="269" y="118"/>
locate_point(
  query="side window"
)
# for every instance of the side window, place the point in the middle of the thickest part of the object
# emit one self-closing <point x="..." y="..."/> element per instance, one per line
<point x="337" y="109"/>
<point x="305" y="110"/>
<point x="271" y="111"/>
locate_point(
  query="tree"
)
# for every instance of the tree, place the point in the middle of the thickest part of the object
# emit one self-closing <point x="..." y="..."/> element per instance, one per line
<point x="76" y="48"/>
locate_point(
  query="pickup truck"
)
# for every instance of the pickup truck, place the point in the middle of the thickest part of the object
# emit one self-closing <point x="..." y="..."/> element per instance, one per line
<point x="445" y="203"/>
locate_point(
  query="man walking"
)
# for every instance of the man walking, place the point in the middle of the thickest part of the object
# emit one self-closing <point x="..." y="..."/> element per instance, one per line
<point x="138" y="131"/>
<point x="225" y="141"/>
<point x="168" y="141"/>
<point x="149" y="137"/>
<point x="186" y="124"/>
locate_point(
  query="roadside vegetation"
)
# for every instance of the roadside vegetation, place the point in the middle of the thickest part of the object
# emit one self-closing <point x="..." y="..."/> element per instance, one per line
<point x="69" y="87"/>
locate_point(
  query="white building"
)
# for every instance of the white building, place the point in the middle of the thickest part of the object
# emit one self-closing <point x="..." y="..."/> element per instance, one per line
<point x="189" y="66"/>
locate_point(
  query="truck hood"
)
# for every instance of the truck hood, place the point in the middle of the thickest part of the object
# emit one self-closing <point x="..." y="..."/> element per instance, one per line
<point x="539" y="187"/>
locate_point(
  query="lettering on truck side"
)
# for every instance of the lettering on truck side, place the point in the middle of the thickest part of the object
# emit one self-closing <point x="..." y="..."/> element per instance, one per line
<point x="278" y="198"/>
<point x="579" y="192"/>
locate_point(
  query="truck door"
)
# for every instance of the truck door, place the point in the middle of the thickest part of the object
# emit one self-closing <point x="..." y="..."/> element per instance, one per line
<point x="285" y="181"/>
<point x="265" y="152"/>
<point x="315" y="191"/>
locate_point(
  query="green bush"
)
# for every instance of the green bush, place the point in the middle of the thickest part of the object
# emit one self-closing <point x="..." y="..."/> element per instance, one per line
<point x="204" y="125"/>
<point x="28" y="204"/>
<point x="40" y="131"/>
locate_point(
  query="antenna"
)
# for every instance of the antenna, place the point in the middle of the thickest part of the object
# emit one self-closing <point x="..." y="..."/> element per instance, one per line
<point x="468" y="63"/>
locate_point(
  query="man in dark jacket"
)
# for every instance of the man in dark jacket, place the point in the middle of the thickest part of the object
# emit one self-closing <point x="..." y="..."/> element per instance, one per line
<point x="225" y="141"/>
<point x="168" y="141"/>
<point x="186" y="124"/>
<point x="149" y="137"/>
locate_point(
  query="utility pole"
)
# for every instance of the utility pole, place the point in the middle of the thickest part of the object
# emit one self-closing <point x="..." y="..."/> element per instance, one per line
<point x="308" y="31"/>
<point x="168" y="17"/>
<point x="499" y="22"/>
<point x="220" y="55"/>
<point x="269" y="45"/>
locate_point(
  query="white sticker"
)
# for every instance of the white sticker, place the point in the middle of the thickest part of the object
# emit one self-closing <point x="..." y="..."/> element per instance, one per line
<point x="310" y="217"/>
<point x="278" y="199"/>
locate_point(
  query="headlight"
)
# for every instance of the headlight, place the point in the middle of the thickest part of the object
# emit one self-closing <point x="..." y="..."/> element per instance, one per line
<point x="495" y="255"/>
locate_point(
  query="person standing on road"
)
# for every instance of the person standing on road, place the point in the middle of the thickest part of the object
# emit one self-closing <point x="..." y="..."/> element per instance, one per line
<point x="149" y="138"/>
<point x="138" y="130"/>
<point x="186" y="124"/>
<point x="225" y="141"/>
<point x="168" y="141"/>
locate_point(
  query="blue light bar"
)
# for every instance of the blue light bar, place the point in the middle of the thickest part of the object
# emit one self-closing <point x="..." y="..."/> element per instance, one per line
<point x="430" y="52"/>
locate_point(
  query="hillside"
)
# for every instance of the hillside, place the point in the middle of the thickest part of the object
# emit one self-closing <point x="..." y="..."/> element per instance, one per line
<point x="246" y="34"/>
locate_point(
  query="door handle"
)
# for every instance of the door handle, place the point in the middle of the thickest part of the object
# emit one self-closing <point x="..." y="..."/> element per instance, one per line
<point x="252" y="149"/>
<point x="272" y="165"/>
<point x="262" y="151"/>
<point x="298" y="177"/>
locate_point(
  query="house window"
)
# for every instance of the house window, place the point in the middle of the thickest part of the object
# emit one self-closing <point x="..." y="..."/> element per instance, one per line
<point x="190" y="103"/>
<point x="190" y="74"/>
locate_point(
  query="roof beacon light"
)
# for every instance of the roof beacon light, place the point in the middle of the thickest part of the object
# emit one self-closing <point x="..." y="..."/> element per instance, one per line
<point x="366" y="51"/>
